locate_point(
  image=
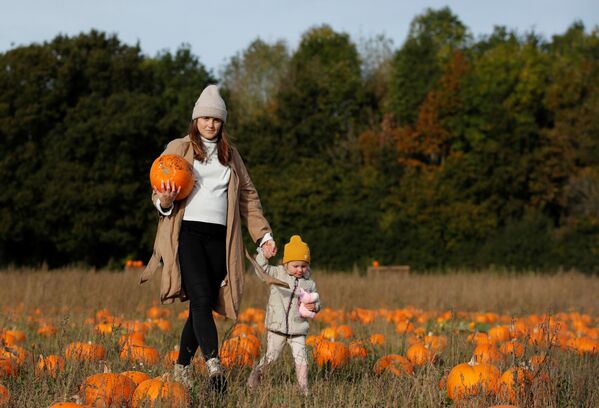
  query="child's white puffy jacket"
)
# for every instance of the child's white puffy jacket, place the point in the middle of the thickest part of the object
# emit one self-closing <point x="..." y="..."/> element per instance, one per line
<point x="282" y="311"/>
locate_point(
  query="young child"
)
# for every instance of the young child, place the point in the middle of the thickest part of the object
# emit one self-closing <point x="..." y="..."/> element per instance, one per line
<point x="285" y="323"/>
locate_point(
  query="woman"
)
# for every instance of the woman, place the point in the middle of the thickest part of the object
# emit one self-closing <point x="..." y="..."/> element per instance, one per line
<point x="199" y="239"/>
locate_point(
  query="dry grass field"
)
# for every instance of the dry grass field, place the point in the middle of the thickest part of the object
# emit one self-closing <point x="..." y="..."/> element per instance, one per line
<point x="553" y="318"/>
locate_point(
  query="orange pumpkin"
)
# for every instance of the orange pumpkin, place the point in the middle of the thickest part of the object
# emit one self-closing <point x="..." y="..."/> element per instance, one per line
<point x="137" y="376"/>
<point x="357" y="349"/>
<point x="140" y="353"/>
<point x="365" y="316"/>
<point x="404" y="326"/>
<point x="173" y="168"/>
<point x="136" y="326"/>
<point x="133" y="338"/>
<point x="67" y="405"/>
<point x="161" y="391"/>
<point x="435" y="343"/>
<point x="329" y="333"/>
<point x="240" y="351"/>
<point x="103" y="315"/>
<point x="419" y="355"/>
<point x="170" y="358"/>
<point x="488" y="353"/>
<point x="84" y="351"/>
<point x="514" y="382"/>
<point x="4" y="395"/>
<point x="499" y="334"/>
<point x="51" y="365"/>
<point x="104" y="328"/>
<point x="400" y="367"/>
<point x="16" y="353"/>
<point x="393" y="363"/>
<point x="157" y="312"/>
<point x="332" y="353"/>
<point x="513" y="347"/>
<point x="12" y="337"/>
<point x="478" y="338"/>
<point x="47" y="330"/>
<point x="344" y="331"/>
<point x="8" y="367"/>
<point x="107" y="389"/>
<point x="383" y="362"/>
<point x="377" y="339"/>
<point x="470" y="378"/>
<point x="252" y="315"/>
<point x="312" y="341"/>
<point x="584" y="345"/>
<point x="242" y="329"/>
<point x="163" y="324"/>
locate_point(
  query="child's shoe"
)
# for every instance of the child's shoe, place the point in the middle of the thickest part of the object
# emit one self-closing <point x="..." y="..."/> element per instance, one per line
<point x="254" y="379"/>
<point x="304" y="391"/>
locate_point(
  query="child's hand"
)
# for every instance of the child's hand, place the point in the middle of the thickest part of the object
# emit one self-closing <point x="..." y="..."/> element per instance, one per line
<point x="269" y="249"/>
<point x="310" y="306"/>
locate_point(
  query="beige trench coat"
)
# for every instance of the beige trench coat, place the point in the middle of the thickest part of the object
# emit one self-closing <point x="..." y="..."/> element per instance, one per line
<point x="243" y="207"/>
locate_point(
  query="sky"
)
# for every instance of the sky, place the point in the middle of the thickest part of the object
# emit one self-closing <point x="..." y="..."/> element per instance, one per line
<point x="217" y="30"/>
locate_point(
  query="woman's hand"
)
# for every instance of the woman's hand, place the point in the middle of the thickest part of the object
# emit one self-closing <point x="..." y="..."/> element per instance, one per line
<point x="269" y="248"/>
<point x="167" y="193"/>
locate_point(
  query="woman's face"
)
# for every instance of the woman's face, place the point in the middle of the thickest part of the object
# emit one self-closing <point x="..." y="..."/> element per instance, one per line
<point x="209" y="127"/>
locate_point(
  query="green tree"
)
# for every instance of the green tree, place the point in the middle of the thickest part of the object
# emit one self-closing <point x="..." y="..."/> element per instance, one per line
<point x="319" y="102"/>
<point x="417" y="65"/>
<point x="81" y="121"/>
<point x="251" y="81"/>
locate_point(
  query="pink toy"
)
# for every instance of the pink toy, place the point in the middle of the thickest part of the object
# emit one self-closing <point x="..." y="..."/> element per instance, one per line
<point x="305" y="298"/>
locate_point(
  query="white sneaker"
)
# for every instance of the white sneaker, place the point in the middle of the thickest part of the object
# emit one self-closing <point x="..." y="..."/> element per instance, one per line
<point x="182" y="375"/>
<point x="214" y="367"/>
<point x="216" y="374"/>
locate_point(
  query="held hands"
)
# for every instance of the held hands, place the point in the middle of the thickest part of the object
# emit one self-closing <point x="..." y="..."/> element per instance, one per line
<point x="167" y="193"/>
<point x="269" y="249"/>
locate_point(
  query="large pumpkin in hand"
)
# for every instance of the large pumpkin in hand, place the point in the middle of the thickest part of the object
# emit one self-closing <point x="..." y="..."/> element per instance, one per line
<point x="173" y="168"/>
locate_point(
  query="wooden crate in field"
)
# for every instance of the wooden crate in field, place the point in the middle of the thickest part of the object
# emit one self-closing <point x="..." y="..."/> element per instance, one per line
<point x="388" y="270"/>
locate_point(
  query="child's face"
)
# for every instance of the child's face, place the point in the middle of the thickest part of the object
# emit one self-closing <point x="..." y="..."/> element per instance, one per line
<point x="297" y="268"/>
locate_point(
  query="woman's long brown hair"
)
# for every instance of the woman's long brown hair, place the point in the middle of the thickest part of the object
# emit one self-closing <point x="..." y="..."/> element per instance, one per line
<point x="222" y="144"/>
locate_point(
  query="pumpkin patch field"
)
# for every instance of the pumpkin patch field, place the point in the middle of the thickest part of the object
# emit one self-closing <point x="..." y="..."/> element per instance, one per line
<point x="74" y="337"/>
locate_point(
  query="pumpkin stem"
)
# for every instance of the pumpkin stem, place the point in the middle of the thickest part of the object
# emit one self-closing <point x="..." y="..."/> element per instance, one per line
<point x="472" y="361"/>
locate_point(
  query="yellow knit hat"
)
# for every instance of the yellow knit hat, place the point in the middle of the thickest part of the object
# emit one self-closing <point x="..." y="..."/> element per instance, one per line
<point x="296" y="250"/>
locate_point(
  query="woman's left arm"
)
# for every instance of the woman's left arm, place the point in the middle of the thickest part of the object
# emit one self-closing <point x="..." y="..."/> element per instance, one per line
<point x="250" y="207"/>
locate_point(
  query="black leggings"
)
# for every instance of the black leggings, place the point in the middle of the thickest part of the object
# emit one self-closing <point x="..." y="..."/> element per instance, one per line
<point x="202" y="260"/>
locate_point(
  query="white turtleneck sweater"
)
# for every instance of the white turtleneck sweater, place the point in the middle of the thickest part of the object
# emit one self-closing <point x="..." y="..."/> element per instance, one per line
<point x="208" y="199"/>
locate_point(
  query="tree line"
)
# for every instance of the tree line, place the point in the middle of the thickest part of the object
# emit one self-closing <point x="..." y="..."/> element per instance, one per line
<point x="448" y="151"/>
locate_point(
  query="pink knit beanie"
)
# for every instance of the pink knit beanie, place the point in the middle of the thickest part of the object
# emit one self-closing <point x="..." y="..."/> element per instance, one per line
<point x="210" y="104"/>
